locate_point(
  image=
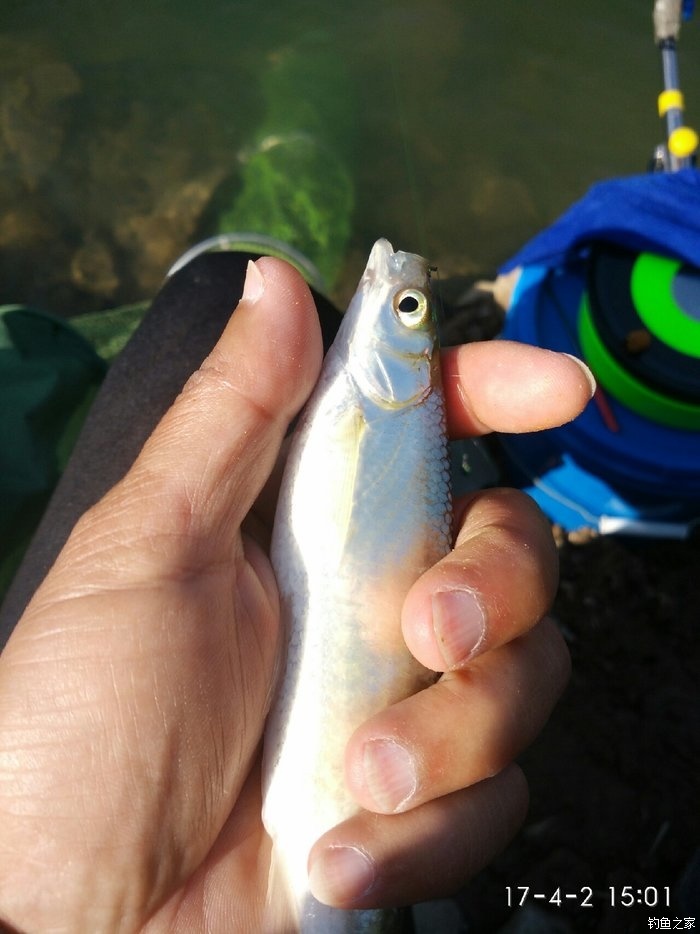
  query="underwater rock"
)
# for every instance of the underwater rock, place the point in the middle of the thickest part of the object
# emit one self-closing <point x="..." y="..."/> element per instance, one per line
<point x="497" y="198"/>
<point x="92" y="268"/>
<point x="31" y="238"/>
<point x="154" y="240"/>
<point x="33" y="117"/>
<point x="25" y="227"/>
<point x="122" y="169"/>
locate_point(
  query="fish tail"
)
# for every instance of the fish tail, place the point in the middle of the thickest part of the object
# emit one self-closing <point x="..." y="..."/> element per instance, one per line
<point x="287" y="912"/>
<point x="316" y="918"/>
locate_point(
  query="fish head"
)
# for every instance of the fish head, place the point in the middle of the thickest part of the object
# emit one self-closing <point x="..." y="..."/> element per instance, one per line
<point x="391" y="331"/>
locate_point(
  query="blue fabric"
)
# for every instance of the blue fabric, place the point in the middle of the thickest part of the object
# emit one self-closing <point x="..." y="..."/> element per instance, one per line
<point x="659" y="212"/>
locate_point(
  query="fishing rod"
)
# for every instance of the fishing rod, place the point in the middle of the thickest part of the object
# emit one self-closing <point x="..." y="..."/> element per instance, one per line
<point x="681" y="141"/>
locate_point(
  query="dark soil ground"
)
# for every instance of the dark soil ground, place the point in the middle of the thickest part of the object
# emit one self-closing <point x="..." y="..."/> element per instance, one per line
<point x="614" y="776"/>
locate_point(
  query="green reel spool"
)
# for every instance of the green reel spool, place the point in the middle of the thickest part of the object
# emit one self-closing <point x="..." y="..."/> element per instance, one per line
<point x="655" y="298"/>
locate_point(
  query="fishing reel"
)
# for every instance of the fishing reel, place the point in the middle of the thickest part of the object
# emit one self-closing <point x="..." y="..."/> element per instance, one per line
<point x="629" y="463"/>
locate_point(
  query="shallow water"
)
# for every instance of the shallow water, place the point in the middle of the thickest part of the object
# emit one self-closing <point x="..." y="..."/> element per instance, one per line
<point x="128" y="131"/>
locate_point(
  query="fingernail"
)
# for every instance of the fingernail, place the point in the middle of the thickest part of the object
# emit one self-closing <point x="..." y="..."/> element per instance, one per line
<point x="254" y="284"/>
<point x="389" y="774"/>
<point x="586" y="372"/>
<point x="341" y="873"/>
<point x="459" y="623"/>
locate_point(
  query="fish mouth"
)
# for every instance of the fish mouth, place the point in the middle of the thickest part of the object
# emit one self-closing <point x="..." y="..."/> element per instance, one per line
<point x="380" y="254"/>
<point x="385" y="262"/>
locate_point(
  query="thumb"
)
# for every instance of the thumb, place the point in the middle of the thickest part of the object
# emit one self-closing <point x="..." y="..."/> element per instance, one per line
<point x="225" y="428"/>
<point x="205" y="463"/>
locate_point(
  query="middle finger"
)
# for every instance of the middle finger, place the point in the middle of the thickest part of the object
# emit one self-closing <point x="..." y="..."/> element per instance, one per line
<point x="496" y="583"/>
<point x="466" y="727"/>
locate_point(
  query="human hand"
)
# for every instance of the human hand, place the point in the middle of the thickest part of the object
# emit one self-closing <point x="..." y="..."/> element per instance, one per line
<point x="134" y="689"/>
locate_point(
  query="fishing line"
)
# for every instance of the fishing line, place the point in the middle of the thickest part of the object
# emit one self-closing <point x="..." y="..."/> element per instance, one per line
<point x="436" y="291"/>
<point x="392" y="47"/>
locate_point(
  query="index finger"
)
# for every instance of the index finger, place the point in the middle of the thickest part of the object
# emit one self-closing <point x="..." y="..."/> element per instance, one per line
<point x="510" y="387"/>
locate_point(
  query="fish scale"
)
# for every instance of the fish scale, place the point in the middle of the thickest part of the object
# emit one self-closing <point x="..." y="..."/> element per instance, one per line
<point x="364" y="509"/>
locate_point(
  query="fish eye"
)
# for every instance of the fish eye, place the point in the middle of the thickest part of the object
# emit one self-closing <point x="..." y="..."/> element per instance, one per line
<point x="412" y="307"/>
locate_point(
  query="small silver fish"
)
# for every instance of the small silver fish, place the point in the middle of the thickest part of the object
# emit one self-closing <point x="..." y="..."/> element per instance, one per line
<point x="363" y="510"/>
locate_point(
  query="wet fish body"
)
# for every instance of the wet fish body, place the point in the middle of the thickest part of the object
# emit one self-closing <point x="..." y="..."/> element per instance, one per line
<point x="364" y="509"/>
